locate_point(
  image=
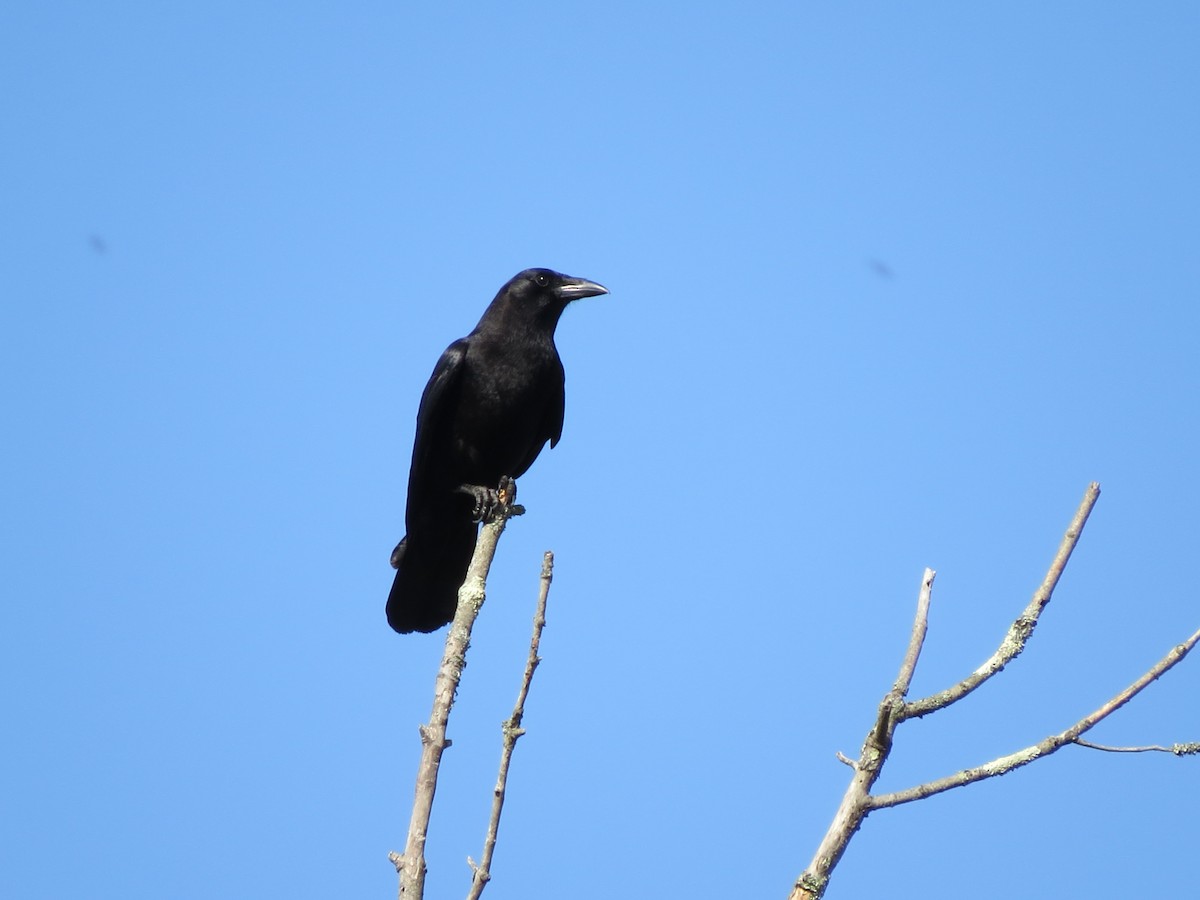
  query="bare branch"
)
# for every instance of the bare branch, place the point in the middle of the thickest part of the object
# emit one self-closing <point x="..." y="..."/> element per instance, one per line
<point x="411" y="865"/>
<point x="512" y="730"/>
<point x="856" y="801"/>
<point x="920" y="627"/>
<point x="1021" y="629"/>
<point x="1178" y="749"/>
<point x="1043" y="748"/>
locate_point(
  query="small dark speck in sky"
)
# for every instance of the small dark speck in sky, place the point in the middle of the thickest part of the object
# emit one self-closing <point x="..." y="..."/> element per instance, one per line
<point x="880" y="268"/>
<point x="98" y="244"/>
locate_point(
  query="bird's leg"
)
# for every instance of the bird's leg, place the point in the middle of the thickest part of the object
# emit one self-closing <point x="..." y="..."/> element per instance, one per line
<point x="489" y="500"/>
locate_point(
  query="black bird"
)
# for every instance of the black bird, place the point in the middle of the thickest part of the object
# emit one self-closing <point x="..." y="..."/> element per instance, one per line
<point x="494" y="399"/>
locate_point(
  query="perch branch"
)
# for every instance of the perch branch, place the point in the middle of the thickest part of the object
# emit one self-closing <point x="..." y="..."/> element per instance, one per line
<point x="512" y="730"/>
<point x="411" y="865"/>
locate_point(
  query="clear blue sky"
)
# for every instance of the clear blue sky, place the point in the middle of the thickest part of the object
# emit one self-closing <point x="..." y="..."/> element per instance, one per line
<point x="889" y="287"/>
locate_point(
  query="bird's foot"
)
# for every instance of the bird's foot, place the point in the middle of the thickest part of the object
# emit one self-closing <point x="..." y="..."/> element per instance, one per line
<point x="486" y="500"/>
<point x="492" y="501"/>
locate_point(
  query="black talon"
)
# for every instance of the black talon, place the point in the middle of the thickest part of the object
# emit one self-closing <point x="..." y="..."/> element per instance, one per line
<point x="486" y="500"/>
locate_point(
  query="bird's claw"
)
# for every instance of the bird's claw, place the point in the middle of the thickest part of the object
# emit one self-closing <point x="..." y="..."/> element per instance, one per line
<point x="484" y="512"/>
<point x="485" y="499"/>
<point x="490" y="500"/>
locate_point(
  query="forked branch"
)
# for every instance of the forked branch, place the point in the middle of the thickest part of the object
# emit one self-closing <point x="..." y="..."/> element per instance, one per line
<point x="1022" y="628"/>
<point x="858" y="800"/>
<point x="1045" y="747"/>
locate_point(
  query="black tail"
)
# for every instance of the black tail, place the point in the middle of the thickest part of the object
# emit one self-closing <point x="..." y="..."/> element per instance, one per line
<point x="429" y="572"/>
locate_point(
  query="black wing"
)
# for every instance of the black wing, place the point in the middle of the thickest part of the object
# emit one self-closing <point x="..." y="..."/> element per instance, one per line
<point x="435" y="416"/>
<point x="556" y="408"/>
<point x="548" y="428"/>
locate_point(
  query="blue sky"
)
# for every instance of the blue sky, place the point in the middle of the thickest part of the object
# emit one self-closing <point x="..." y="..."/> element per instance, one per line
<point x="889" y="287"/>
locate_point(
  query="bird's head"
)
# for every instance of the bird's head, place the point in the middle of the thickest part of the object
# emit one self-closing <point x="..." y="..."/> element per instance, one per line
<point x="532" y="301"/>
<point x="545" y="293"/>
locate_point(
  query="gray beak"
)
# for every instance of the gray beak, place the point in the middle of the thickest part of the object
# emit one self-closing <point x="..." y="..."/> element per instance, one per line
<point x="577" y="288"/>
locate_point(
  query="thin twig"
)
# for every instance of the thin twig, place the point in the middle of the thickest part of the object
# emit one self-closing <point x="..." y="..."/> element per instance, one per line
<point x="917" y="640"/>
<point x="1020" y="630"/>
<point x="1043" y="748"/>
<point x="512" y="730"/>
<point x="411" y="866"/>
<point x="1178" y="749"/>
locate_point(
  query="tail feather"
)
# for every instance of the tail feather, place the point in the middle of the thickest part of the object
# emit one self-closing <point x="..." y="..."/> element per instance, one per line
<point x="429" y="572"/>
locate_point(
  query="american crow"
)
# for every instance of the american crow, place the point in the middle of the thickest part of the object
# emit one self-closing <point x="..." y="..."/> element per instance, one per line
<point x="494" y="399"/>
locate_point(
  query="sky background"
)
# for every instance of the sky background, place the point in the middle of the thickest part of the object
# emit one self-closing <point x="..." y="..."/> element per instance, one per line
<point x="889" y="287"/>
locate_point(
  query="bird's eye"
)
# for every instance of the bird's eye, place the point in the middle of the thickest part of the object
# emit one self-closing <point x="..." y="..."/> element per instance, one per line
<point x="542" y="280"/>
